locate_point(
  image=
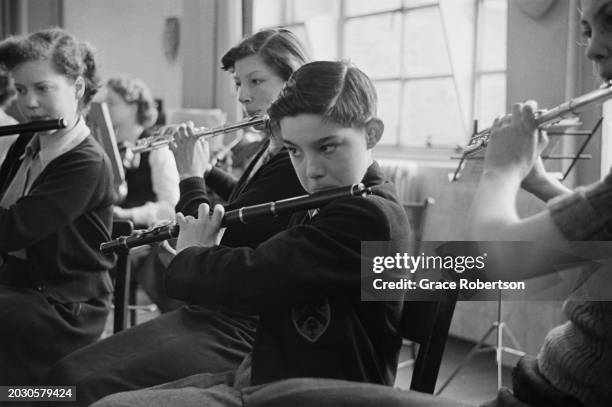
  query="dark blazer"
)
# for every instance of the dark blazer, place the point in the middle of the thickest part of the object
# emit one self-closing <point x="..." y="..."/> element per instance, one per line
<point x="61" y="223"/>
<point x="305" y="283"/>
<point x="273" y="181"/>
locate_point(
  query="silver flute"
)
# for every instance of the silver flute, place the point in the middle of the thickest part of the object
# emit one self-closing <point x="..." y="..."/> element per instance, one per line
<point x="160" y="139"/>
<point x="549" y="117"/>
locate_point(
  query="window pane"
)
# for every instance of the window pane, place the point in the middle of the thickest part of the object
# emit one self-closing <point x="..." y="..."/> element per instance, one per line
<point x="356" y="7"/>
<point x="459" y="18"/>
<point x="415" y="3"/>
<point x="492" y="99"/>
<point x="322" y="34"/>
<point x="492" y="44"/>
<point x="372" y="43"/>
<point x="388" y="110"/>
<point x="267" y="13"/>
<point x="431" y="114"/>
<point x="425" y="48"/>
<point x="300" y="31"/>
<point x="304" y="10"/>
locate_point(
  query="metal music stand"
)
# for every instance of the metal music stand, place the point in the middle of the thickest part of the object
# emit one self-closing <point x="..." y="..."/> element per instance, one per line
<point x="587" y="134"/>
<point x="500" y="327"/>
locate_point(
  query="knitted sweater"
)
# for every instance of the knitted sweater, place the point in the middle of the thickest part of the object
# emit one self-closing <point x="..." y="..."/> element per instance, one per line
<point x="577" y="356"/>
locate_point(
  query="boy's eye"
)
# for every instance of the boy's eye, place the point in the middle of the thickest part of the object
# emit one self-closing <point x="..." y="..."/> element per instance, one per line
<point x="20" y="90"/>
<point x="292" y="150"/>
<point x="328" y="148"/>
<point x="43" y="88"/>
<point x="237" y="85"/>
<point x="257" y="81"/>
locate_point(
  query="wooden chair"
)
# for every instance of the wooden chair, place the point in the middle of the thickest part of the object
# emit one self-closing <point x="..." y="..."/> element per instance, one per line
<point x="417" y="217"/>
<point x="425" y="323"/>
<point x="416" y="212"/>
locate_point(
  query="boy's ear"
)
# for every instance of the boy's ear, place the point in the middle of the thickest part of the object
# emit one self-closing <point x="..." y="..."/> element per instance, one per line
<point x="374" y="131"/>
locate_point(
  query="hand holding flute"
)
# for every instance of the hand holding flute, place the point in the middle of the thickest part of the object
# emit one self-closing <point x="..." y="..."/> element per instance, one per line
<point x="164" y="138"/>
<point x="515" y="143"/>
<point x="243" y="215"/>
<point x="192" y="154"/>
<point x="551" y="116"/>
<point x="205" y="231"/>
<point x="514" y="150"/>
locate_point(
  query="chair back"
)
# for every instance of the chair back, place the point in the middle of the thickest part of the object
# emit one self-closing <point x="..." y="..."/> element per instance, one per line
<point x="426" y="322"/>
<point x="121" y="227"/>
<point x="99" y="121"/>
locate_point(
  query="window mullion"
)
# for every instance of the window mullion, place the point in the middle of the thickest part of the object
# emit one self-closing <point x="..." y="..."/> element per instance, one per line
<point x="400" y="104"/>
<point x="475" y="96"/>
<point x="287" y="18"/>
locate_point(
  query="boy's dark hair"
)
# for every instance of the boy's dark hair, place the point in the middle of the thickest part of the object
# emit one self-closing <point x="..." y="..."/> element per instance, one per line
<point x="7" y="87"/>
<point x="337" y="90"/>
<point x="68" y="56"/>
<point x="279" y="48"/>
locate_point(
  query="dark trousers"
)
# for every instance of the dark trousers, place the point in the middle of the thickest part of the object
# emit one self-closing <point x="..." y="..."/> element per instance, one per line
<point x="36" y="332"/>
<point x="177" y="344"/>
<point x="149" y="272"/>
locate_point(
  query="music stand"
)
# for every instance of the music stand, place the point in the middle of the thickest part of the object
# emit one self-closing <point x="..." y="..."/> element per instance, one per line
<point x="497" y="325"/>
<point x="587" y="134"/>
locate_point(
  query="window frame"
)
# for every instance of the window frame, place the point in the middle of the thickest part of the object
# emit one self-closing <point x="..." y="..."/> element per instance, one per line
<point x="433" y="153"/>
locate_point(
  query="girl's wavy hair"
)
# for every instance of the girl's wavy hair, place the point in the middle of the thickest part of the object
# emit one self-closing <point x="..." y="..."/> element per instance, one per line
<point x="337" y="90"/>
<point x="135" y="91"/>
<point x="7" y="86"/>
<point x="68" y="56"/>
<point x="279" y="48"/>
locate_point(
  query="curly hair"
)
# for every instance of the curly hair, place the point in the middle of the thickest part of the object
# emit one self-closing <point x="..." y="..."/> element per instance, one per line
<point x="133" y="90"/>
<point x="279" y="48"/>
<point x="69" y="56"/>
<point x="7" y="87"/>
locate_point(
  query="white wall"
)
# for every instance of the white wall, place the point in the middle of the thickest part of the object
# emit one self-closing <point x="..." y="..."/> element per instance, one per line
<point x="199" y="45"/>
<point x="128" y="35"/>
<point x="545" y="64"/>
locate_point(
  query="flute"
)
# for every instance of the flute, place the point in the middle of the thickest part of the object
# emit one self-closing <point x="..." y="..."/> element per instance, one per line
<point x="242" y="215"/>
<point x="161" y="140"/>
<point x="549" y="117"/>
<point x="33" y="127"/>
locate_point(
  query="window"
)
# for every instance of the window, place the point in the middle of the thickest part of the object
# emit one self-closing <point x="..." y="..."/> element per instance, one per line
<point x="437" y="65"/>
